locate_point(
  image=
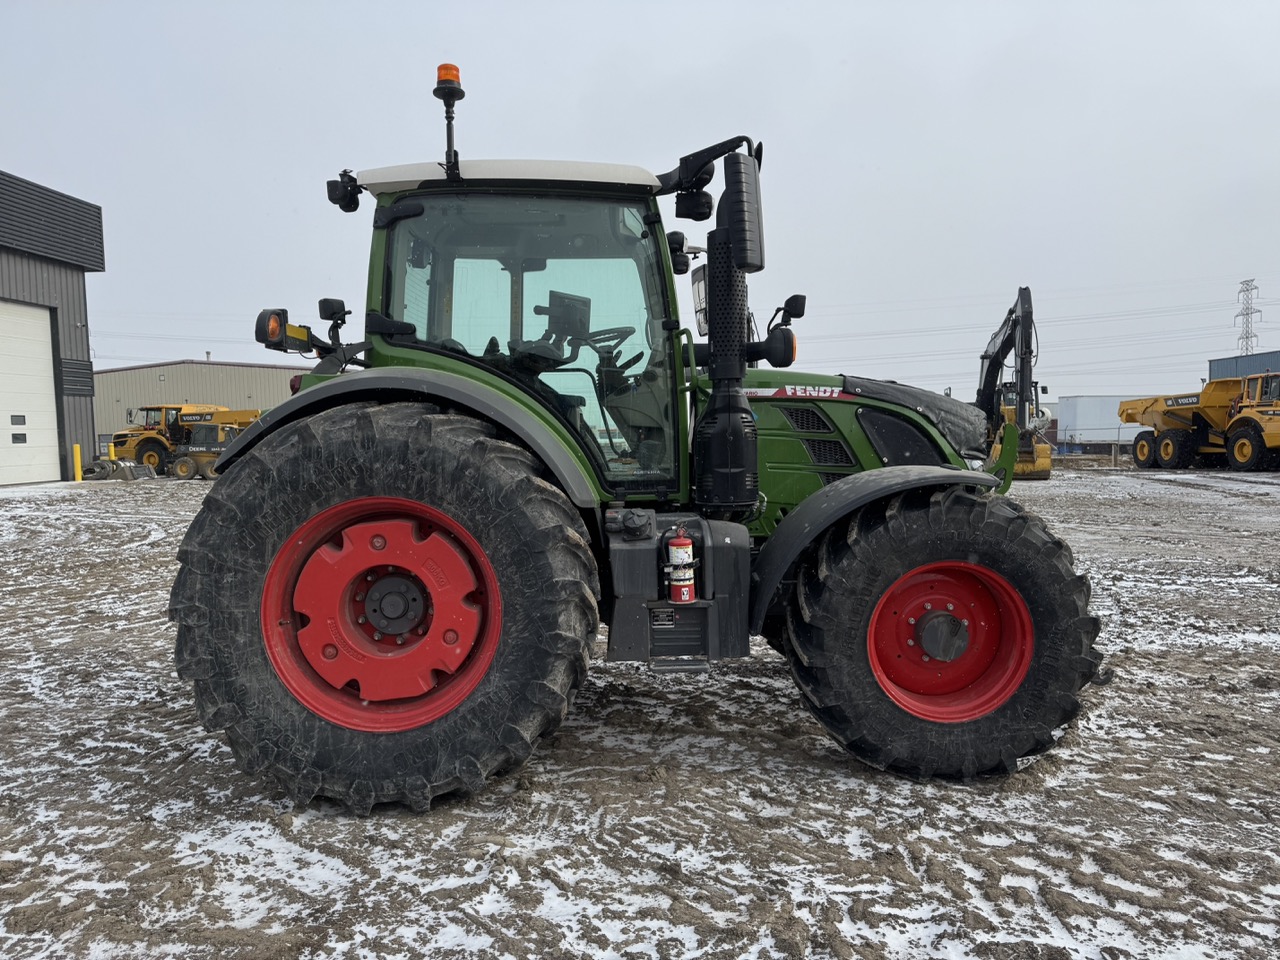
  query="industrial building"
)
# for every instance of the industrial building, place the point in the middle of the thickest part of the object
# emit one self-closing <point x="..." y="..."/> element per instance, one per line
<point x="239" y="386"/>
<point x="48" y="242"/>
<point x="1244" y="365"/>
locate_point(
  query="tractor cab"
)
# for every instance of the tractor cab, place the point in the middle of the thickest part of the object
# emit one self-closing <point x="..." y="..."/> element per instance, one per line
<point x="562" y="296"/>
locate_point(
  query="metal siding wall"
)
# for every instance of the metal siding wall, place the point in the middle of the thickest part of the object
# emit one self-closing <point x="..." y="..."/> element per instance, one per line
<point x="1245" y="365"/>
<point x="43" y="283"/>
<point x="238" y="386"/>
<point x="50" y="224"/>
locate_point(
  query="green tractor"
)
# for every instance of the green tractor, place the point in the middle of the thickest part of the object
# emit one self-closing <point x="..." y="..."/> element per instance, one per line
<point x="393" y="589"/>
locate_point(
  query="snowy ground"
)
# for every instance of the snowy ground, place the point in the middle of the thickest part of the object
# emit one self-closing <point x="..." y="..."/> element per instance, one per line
<point x="672" y="816"/>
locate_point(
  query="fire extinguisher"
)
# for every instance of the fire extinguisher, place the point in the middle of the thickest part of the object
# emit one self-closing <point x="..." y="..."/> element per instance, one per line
<point x="681" y="563"/>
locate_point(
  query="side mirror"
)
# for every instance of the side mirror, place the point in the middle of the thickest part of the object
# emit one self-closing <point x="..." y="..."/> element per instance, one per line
<point x="740" y="211"/>
<point x="700" y="298"/>
<point x="332" y="310"/>
<point x="794" y="307"/>
<point x="128" y="415"/>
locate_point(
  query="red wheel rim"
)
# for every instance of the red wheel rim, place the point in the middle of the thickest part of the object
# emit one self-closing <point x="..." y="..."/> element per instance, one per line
<point x="966" y="678"/>
<point x="381" y="614"/>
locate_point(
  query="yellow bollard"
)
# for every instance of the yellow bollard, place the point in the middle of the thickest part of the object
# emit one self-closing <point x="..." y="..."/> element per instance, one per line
<point x="111" y="451"/>
<point x="75" y="454"/>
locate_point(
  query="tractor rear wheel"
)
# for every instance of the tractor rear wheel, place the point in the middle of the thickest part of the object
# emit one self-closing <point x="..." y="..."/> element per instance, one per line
<point x="1175" y="449"/>
<point x="1144" y="449"/>
<point x="384" y="603"/>
<point x="942" y="633"/>
<point x="1245" y="448"/>
<point x="206" y="471"/>
<point x="184" y="468"/>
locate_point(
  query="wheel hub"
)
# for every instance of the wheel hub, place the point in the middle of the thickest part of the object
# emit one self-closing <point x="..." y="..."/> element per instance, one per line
<point x="942" y="636"/>
<point x="395" y="604"/>
<point x="950" y="641"/>
<point x="381" y="614"/>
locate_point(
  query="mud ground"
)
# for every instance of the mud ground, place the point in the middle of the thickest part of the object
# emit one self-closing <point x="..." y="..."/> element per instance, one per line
<point x="672" y="816"/>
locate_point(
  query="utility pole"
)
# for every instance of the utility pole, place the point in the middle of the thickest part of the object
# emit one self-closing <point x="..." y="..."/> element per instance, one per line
<point x="1245" y="315"/>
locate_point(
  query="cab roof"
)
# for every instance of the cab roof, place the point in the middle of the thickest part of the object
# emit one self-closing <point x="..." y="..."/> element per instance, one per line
<point x="407" y="176"/>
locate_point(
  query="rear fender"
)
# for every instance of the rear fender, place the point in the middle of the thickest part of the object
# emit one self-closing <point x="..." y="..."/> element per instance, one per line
<point x="409" y="383"/>
<point x="835" y="502"/>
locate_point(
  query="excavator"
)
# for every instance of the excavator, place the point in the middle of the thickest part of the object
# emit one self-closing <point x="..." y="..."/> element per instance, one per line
<point x="1015" y="401"/>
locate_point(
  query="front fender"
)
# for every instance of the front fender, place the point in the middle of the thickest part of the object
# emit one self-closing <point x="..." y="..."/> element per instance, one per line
<point x="834" y="502"/>
<point x="410" y="383"/>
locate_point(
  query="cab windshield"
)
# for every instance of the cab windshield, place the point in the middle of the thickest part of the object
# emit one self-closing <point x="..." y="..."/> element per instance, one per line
<point x="564" y="296"/>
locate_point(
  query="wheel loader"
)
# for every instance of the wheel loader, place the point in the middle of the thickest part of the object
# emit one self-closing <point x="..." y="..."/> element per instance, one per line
<point x="393" y="587"/>
<point x="165" y="427"/>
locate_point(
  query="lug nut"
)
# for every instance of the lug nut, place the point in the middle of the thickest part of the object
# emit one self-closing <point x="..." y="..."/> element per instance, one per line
<point x="911" y="619"/>
<point x="951" y="606"/>
<point x="451" y="637"/>
<point x="330" y="652"/>
<point x="378" y="542"/>
<point x="362" y="619"/>
<point x="401" y="639"/>
<point x="359" y="596"/>
<point x="928" y="606"/>
<point x="377" y="635"/>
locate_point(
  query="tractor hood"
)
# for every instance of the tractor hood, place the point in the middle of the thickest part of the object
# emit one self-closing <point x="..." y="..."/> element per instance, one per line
<point x="963" y="424"/>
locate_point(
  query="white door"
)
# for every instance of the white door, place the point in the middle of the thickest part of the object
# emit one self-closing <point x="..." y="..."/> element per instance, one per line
<point x="28" y="404"/>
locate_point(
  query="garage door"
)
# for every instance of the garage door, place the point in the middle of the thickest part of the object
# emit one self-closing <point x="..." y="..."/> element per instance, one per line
<point x="28" y="404"/>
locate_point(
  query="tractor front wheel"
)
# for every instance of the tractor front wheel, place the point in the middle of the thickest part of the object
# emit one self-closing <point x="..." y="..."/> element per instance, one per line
<point x="384" y="604"/>
<point x="184" y="468"/>
<point x="942" y="634"/>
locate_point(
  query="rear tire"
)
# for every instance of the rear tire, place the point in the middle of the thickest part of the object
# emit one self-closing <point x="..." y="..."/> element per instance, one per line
<point x="480" y="568"/>
<point x="909" y="576"/>
<point x="1175" y="449"/>
<point x="206" y="470"/>
<point x="184" y="468"/>
<point x="1144" y="449"/>
<point x="1246" y="449"/>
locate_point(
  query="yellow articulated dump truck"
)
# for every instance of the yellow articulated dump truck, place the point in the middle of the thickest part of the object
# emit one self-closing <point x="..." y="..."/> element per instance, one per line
<point x="1236" y="420"/>
<point x="164" y="427"/>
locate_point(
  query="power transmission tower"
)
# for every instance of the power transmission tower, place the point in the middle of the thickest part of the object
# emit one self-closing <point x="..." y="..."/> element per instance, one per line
<point x="1245" y="315"/>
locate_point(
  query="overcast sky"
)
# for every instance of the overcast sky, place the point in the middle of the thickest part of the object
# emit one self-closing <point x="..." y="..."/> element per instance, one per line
<point x="922" y="160"/>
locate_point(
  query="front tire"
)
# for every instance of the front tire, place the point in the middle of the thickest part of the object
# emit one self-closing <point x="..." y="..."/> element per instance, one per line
<point x="152" y="453"/>
<point x="384" y="604"/>
<point x="942" y="634"/>
<point x="1246" y="450"/>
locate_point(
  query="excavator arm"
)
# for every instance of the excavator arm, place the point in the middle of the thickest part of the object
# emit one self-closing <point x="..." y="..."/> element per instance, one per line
<point x="1016" y="335"/>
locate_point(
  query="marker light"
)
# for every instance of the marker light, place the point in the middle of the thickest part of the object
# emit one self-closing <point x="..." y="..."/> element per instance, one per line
<point x="448" y="72"/>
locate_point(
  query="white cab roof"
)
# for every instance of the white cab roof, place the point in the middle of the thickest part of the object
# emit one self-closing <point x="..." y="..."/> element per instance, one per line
<point x="406" y="176"/>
